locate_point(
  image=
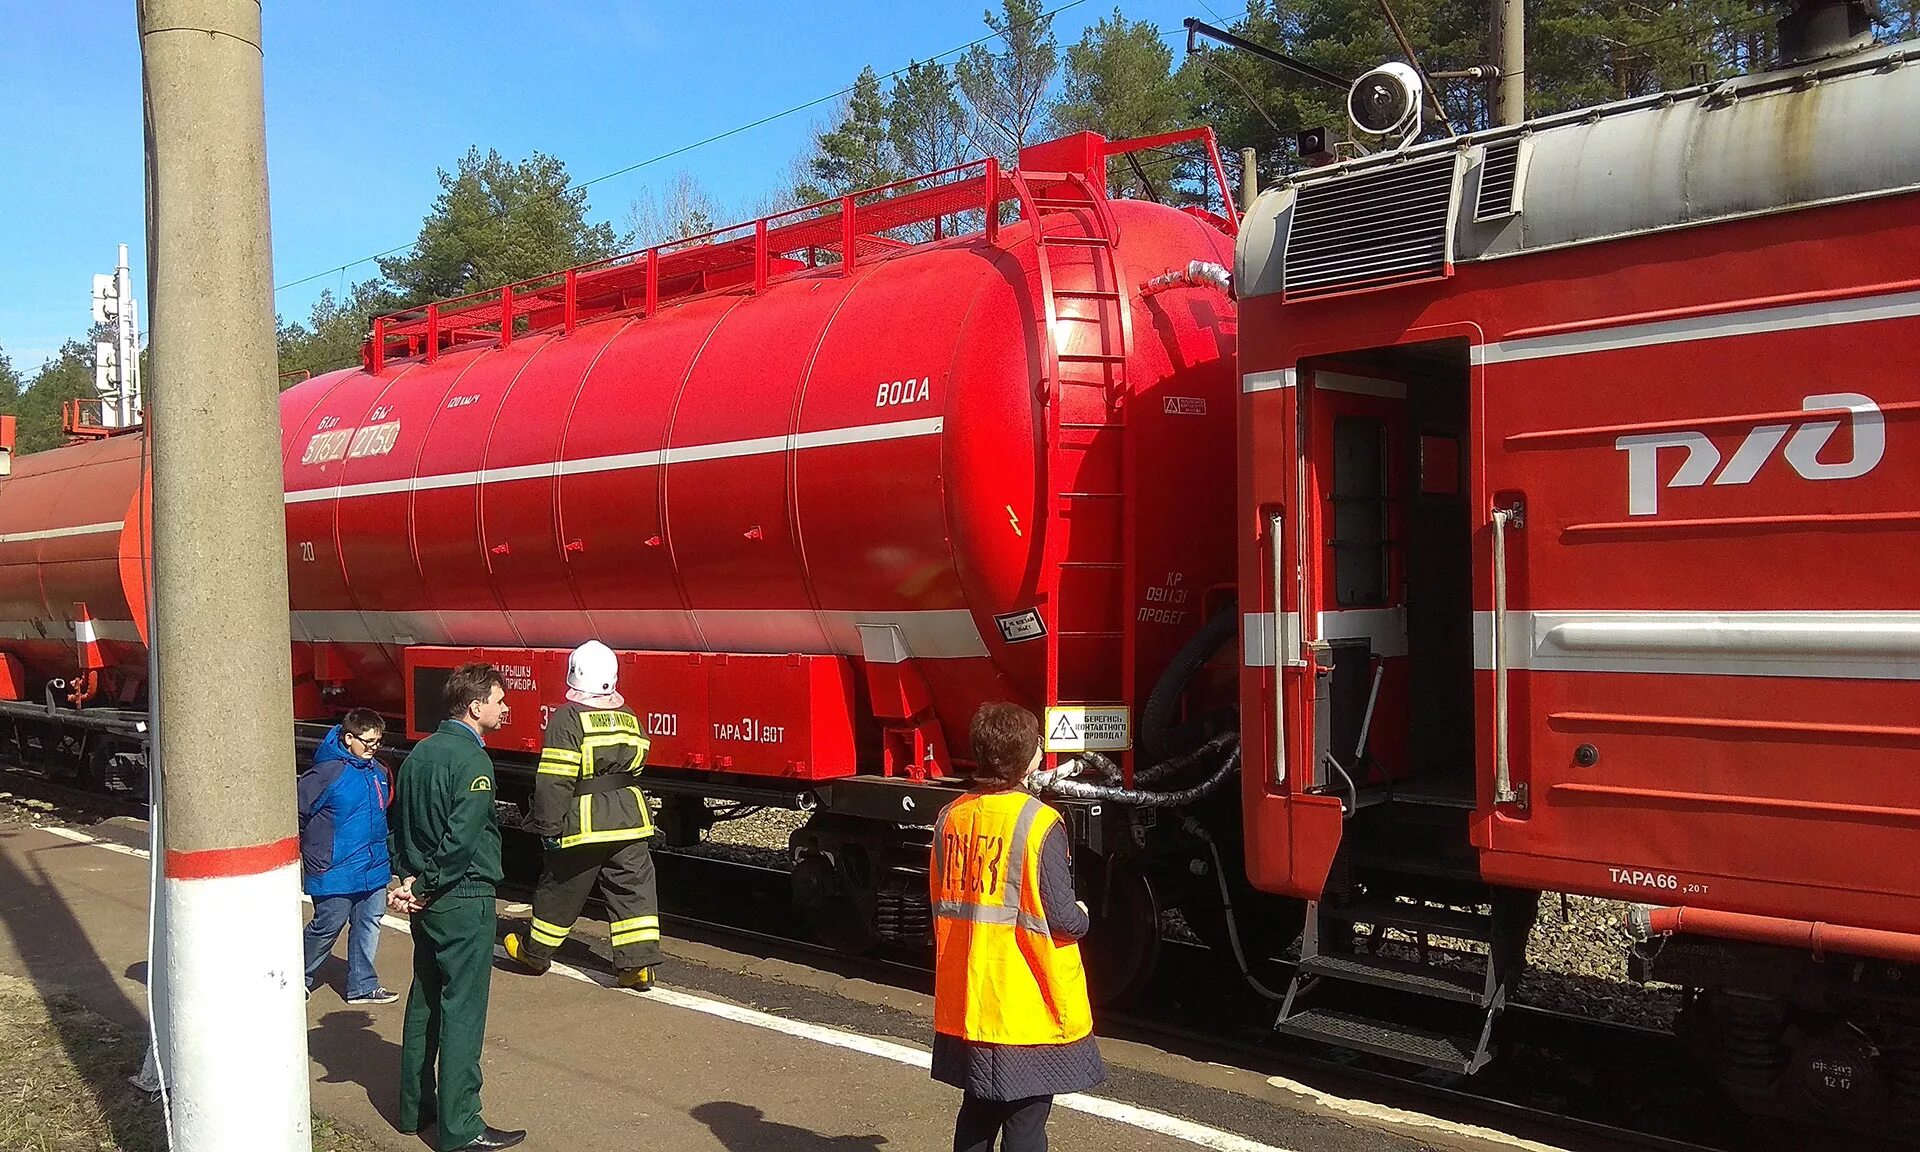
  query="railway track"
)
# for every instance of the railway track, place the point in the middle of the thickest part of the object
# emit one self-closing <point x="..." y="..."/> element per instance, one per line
<point x="1561" y="1077"/>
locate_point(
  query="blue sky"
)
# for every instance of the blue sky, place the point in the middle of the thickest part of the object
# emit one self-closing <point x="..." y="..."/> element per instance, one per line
<point x="365" y="101"/>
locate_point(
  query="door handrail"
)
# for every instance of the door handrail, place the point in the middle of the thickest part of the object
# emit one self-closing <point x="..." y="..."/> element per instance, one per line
<point x="1278" y="566"/>
<point x="1503" y="790"/>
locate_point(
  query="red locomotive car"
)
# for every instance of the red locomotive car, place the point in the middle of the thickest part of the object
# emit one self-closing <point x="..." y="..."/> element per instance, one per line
<point x="1577" y="498"/>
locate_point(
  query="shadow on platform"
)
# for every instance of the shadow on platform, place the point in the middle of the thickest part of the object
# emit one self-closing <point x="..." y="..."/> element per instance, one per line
<point x="744" y="1128"/>
<point x="345" y="1044"/>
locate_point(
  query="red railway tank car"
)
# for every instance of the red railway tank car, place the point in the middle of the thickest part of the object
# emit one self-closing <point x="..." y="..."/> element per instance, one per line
<point x="919" y="476"/>
<point x="827" y="481"/>
<point x="73" y="560"/>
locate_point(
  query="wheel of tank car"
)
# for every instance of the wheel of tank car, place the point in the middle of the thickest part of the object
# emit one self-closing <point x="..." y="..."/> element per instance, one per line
<point x="835" y="908"/>
<point x="96" y="767"/>
<point x="66" y="758"/>
<point x="130" y="769"/>
<point x="1123" y="946"/>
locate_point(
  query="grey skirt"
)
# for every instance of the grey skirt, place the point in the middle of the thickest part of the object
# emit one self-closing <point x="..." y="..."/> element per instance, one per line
<point x="1017" y="1071"/>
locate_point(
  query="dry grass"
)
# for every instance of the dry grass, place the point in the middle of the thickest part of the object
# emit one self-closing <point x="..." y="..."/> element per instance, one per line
<point x="63" y="1082"/>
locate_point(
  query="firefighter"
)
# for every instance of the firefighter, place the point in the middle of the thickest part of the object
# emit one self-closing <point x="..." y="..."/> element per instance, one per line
<point x="589" y="810"/>
<point x="1012" y="1023"/>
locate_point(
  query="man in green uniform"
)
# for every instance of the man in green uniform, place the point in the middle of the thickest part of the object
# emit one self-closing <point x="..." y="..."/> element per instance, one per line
<point x="588" y="808"/>
<point x="445" y="846"/>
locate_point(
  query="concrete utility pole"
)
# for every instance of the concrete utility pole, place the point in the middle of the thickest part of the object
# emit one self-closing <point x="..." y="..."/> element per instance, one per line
<point x="1509" y="42"/>
<point x="1249" y="179"/>
<point x="236" y="1054"/>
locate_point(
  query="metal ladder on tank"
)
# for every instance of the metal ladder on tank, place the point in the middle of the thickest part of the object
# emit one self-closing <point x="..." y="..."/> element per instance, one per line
<point x="1094" y="361"/>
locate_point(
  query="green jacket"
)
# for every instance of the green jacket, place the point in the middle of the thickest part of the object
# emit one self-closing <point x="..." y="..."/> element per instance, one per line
<point x="443" y="827"/>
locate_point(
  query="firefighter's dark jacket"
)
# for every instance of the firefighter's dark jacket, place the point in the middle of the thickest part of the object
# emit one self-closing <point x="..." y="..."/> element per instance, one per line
<point x="587" y="789"/>
<point x="442" y="825"/>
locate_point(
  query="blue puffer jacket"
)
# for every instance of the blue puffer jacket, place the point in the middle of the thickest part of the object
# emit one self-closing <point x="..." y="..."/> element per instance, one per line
<point x="343" y="821"/>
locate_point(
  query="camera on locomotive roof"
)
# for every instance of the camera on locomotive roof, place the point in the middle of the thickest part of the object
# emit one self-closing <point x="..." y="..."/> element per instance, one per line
<point x="1313" y="146"/>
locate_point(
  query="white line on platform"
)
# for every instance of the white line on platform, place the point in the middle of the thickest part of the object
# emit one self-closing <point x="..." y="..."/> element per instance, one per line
<point x="1145" y="1119"/>
<point x="1402" y="1118"/>
<point x="83" y="838"/>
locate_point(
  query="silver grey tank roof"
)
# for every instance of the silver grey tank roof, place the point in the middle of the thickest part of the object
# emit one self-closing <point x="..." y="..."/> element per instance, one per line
<point x="1830" y="131"/>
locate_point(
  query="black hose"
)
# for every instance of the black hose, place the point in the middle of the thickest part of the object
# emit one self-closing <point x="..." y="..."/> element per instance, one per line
<point x="1112" y="794"/>
<point x="1109" y="772"/>
<point x="1156" y="719"/>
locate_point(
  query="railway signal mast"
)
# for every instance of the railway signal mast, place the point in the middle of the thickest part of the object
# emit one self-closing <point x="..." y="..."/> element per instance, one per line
<point x="116" y="362"/>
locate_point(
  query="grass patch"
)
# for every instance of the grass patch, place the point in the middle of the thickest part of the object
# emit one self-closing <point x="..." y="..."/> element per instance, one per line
<point x="63" y="1082"/>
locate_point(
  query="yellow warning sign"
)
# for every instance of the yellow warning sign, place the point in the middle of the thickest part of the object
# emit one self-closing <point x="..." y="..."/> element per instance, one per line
<point x="1077" y="728"/>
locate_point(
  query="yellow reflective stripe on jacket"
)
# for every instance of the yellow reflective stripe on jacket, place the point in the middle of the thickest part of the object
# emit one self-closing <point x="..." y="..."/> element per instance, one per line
<point x="559" y="762"/>
<point x="587" y="834"/>
<point x="551" y="935"/>
<point x="591" y="744"/>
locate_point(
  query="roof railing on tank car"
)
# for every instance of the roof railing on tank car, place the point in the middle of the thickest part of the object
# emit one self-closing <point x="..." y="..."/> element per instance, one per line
<point x="841" y="233"/>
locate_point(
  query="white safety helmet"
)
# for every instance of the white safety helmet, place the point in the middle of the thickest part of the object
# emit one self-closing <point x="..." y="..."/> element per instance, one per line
<point x="592" y="671"/>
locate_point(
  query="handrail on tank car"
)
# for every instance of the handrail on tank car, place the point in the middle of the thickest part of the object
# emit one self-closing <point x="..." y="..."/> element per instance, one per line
<point x="844" y="229"/>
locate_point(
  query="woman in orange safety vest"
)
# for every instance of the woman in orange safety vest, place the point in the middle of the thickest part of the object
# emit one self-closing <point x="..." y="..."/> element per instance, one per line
<point x="1012" y="1025"/>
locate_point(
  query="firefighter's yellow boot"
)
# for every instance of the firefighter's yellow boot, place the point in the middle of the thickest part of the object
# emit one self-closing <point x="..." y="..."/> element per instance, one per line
<point x="517" y="948"/>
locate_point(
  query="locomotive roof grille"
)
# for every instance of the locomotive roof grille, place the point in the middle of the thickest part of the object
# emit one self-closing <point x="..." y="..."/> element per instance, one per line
<point x="1389" y="226"/>
<point x="1499" y="181"/>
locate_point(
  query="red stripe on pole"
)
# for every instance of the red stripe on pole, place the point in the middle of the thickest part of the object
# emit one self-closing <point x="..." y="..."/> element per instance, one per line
<point x="248" y="861"/>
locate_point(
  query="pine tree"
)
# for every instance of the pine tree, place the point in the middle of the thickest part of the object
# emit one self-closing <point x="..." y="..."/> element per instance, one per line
<point x="855" y="153"/>
<point x="9" y="384"/>
<point x="1120" y="83"/>
<point x="925" y="122"/>
<point x="39" y="408"/>
<point x="334" y="330"/>
<point x="1007" y="89"/>
<point x="495" y="222"/>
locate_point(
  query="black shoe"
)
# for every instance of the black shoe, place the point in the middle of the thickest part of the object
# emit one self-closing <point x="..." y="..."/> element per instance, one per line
<point x="491" y="1137"/>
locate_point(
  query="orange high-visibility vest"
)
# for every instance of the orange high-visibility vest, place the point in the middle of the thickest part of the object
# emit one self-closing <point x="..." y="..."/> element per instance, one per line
<point x="999" y="975"/>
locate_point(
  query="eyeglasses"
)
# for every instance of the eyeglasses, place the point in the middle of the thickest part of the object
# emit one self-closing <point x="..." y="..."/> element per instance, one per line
<point x="371" y="745"/>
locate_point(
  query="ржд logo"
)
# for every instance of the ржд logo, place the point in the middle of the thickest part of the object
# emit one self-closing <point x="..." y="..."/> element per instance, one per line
<point x="1802" y="452"/>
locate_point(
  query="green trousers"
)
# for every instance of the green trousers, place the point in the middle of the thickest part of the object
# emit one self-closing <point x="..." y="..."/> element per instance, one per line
<point x="447" y="1018"/>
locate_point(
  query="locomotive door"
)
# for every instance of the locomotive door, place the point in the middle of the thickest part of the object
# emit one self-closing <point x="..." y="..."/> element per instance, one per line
<point x="1355" y="620"/>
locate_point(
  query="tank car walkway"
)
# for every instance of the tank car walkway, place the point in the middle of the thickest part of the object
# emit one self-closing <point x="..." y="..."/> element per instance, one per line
<point x="587" y="1067"/>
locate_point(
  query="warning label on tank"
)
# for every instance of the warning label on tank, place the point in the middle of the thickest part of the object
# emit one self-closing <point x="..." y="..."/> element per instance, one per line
<point x="1075" y="728"/>
<point x="1018" y="626"/>
<point x="1184" y="405"/>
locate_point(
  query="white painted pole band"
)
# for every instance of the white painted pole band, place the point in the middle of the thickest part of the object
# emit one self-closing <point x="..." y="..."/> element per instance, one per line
<point x="236" y="974"/>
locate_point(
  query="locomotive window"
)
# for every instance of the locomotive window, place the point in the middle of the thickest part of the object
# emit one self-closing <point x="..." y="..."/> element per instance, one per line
<point x="1359" y="511"/>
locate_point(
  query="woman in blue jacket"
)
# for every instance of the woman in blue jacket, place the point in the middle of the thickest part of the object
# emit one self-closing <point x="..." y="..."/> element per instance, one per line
<point x="343" y="851"/>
